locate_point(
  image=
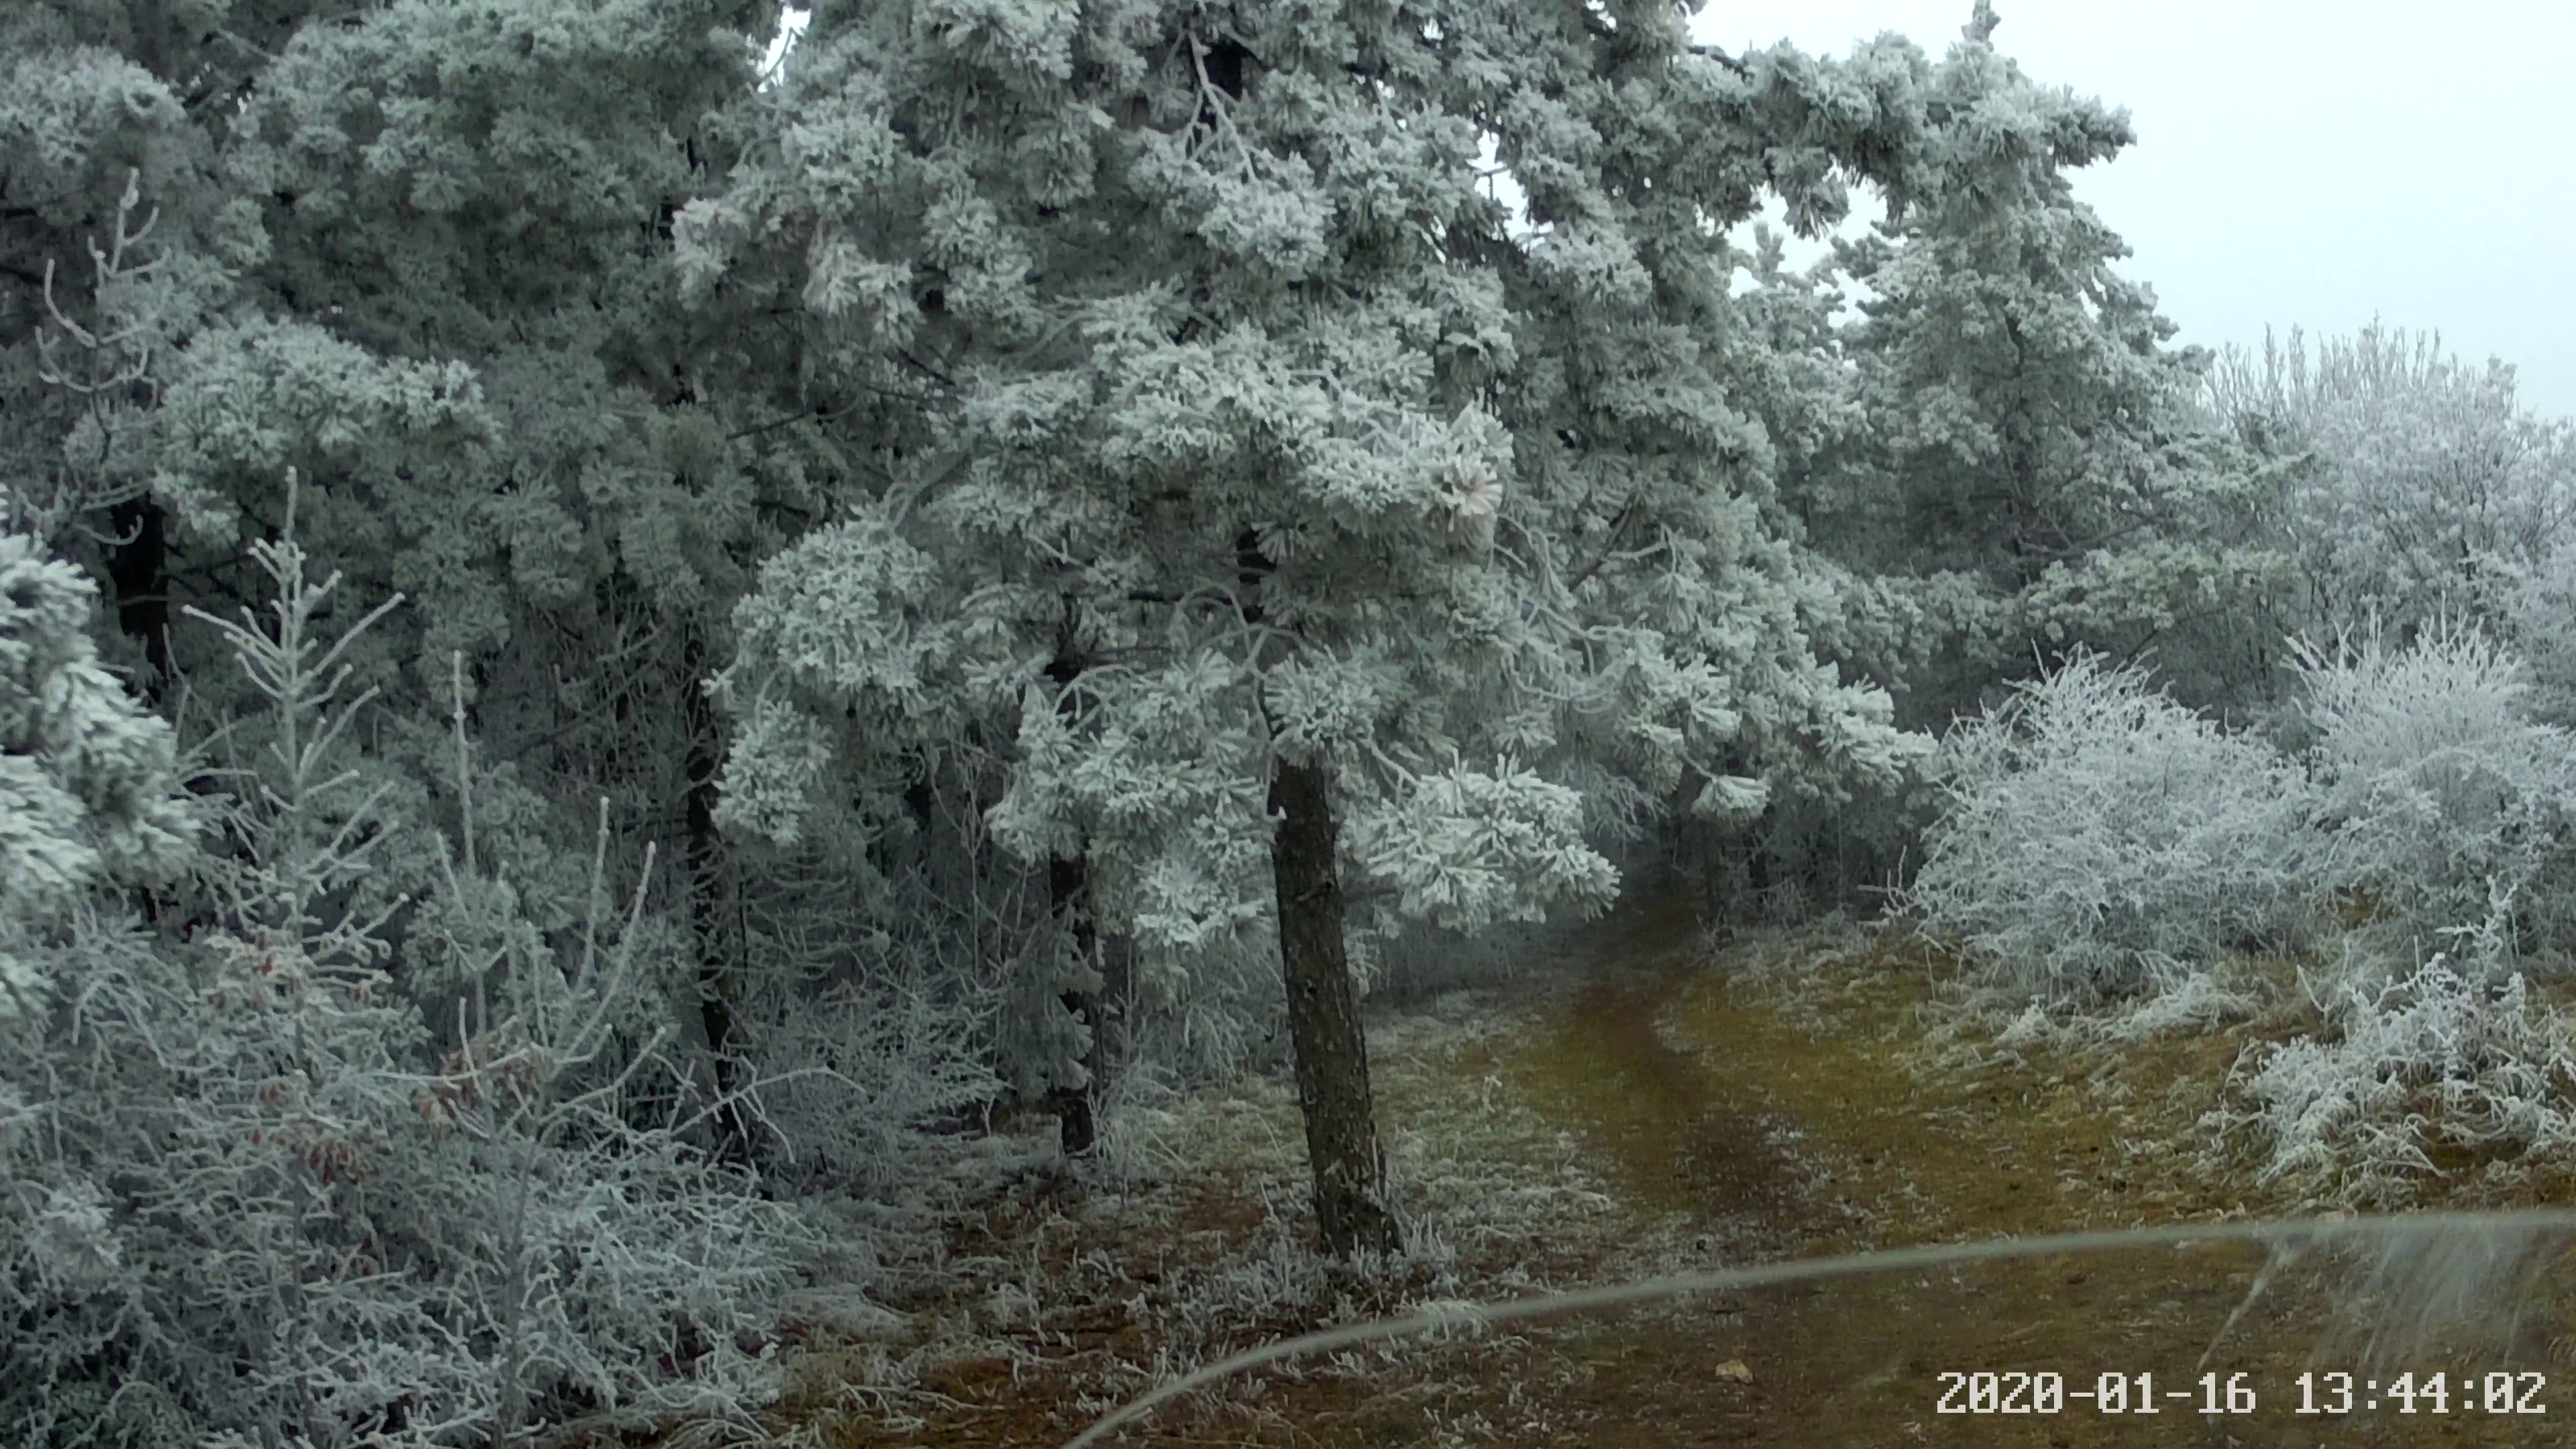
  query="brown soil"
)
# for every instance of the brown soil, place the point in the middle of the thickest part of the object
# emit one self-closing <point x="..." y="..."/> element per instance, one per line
<point x="1769" y="1115"/>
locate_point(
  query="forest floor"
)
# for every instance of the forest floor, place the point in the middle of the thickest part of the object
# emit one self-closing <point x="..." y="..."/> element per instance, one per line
<point x="1650" y="1105"/>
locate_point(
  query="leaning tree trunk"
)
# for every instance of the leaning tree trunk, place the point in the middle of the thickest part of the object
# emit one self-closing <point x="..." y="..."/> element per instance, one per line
<point x="1324" y="1016"/>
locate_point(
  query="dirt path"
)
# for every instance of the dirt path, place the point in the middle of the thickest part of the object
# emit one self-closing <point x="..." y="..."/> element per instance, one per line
<point x="1795" y="1116"/>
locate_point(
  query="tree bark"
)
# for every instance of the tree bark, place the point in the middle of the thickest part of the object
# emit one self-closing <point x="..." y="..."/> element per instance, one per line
<point x="1069" y="901"/>
<point x="1314" y="958"/>
<point x="139" y="570"/>
<point x="1069" y="895"/>
<point x="1324" y="1018"/>
<point x="714" y="915"/>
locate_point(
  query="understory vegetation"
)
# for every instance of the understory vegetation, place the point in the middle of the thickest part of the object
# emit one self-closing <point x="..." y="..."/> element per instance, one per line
<point x="2401" y="833"/>
<point x="618" y="667"/>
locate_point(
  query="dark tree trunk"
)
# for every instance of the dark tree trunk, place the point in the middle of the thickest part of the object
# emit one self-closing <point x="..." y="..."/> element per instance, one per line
<point x="1117" y="996"/>
<point x="714" y="914"/>
<point x="1069" y="901"/>
<point x="139" y="570"/>
<point x="1323" y="1010"/>
<point x="1324" y="1016"/>
<point x="1069" y="896"/>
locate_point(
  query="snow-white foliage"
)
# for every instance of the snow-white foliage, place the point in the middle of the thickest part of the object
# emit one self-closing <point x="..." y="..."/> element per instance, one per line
<point x="2426" y="487"/>
<point x="2437" y="789"/>
<point x="242" y="1201"/>
<point x="88" y="779"/>
<point x="2018" y="473"/>
<point x="2094" y="828"/>
<point x="2540" y="615"/>
<point x="1155" y="776"/>
<point x="1233" y="461"/>
<point x="1465" y="848"/>
<point x="2449" y="1056"/>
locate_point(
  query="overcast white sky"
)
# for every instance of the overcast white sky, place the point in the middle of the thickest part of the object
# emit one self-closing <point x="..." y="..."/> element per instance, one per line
<point x="2307" y="162"/>
<point x="2301" y="162"/>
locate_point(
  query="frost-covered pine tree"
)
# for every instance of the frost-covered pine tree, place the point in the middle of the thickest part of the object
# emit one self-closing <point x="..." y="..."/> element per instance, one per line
<point x="89" y="781"/>
<point x="1366" y="509"/>
<point x="2023" y="459"/>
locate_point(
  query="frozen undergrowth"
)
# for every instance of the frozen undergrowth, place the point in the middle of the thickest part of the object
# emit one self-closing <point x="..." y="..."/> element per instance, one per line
<point x="2454" y="1055"/>
<point x="2106" y="858"/>
<point x="2459" y="1058"/>
<point x="1191" y="1224"/>
<point x="1487" y="1191"/>
<point x="245" y="1201"/>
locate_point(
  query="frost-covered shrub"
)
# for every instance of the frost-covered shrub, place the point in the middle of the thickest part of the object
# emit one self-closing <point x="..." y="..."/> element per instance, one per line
<point x="2445" y="1057"/>
<point x="852" y="1060"/>
<point x="864" y="1005"/>
<point x="2094" y="831"/>
<point x="2421" y="486"/>
<point x="2541" y="616"/>
<point x="1209" y="1015"/>
<point x="245" y="1199"/>
<point x="2438" y="790"/>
